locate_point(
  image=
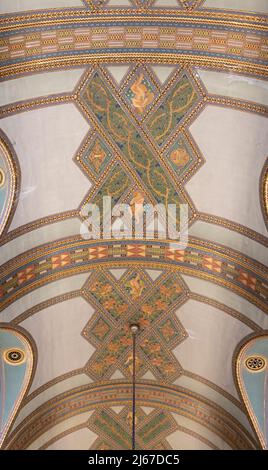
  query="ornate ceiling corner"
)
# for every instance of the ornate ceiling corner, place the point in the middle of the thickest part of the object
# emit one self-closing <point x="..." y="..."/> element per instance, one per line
<point x="17" y="364"/>
<point x="9" y="182"/>
<point x="251" y="368"/>
<point x="264" y="192"/>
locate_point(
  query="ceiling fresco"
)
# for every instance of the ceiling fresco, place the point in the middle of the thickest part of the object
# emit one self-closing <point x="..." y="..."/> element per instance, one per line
<point x="147" y="102"/>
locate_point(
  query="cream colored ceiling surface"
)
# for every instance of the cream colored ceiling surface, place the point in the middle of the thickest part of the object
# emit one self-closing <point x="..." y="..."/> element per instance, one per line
<point x="161" y="101"/>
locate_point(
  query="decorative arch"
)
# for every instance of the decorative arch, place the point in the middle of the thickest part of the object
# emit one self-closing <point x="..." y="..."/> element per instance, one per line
<point x="264" y="192"/>
<point x="252" y="380"/>
<point x="16" y="372"/>
<point x="100" y="395"/>
<point x="9" y="182"/>
<point x="215" y="263"/>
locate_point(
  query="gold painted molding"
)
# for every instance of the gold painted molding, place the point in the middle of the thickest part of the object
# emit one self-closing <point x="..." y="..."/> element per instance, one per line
<point x="59" y="63"/>
<point x="228" y="255"/>
<point x="66" y="17"/>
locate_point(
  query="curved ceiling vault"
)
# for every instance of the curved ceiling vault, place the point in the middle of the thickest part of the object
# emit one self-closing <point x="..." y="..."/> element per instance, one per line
<point x="145" y="101"/>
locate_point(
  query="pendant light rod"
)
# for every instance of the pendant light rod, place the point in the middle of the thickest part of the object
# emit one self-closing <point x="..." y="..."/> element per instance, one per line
<point x="134" y="328"/>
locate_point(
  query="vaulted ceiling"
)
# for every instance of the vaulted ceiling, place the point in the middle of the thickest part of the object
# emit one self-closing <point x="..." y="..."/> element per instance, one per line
<point x="158" y="102"/>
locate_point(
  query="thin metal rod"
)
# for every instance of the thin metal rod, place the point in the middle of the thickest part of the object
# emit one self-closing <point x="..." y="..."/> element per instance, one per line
<point x="134" y="394"/>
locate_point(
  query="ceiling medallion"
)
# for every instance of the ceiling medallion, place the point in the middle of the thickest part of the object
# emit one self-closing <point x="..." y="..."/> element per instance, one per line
<point x="14" y="356"/>
<point x="255" y="363"/>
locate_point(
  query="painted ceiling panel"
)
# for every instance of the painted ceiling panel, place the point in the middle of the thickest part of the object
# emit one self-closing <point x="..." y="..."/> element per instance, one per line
<point x="64" y="128"/>
<point x="81" y="439"/>
<point x="119" y="3"/>
<point x="24" y="5"/>
<point x="243" y="5"/>
<point x="235" y="240"/>
<point x="196" y="349"/>
<point x="145" y="109"/>
<point x="34" y="86"/>
<point x="235" y="86"/>
<point x="211" y="438"/>
<point x="72" y="349"/>
<point x="40" y="236"/>
<point x="230" y="200"/>
<point x="42" y="295"/>
<point x="207" y="390"/>
<point x="227" y="298"/>
<point x="60" y="428"/>
<point x="37" y="400"/>
<point x="188" y="442"/>
<point x="167" y="4"/>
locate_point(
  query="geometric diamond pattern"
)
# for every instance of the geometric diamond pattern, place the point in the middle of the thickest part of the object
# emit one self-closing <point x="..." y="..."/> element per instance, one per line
<point x="181" y="157"/>
<point x="134" y="298"/>
<point x="95" y="156"/>
<point x="142" y="3"/>
<point x="115" y="430"/>
<point x="99" y="329"/>
<point x="190" y="4"/>
<point x="141" y="167"/>
<point x="171" y="111"/>
<point x="135" y="284"/>
<point x="96" y="3"/>
<point x="116" y="184"/>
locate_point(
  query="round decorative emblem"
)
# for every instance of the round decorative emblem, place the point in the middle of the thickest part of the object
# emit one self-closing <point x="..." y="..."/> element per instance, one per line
<point x="14" y="356"/>
<point x="2" y="177"/>
<point x="255" y="363"/>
